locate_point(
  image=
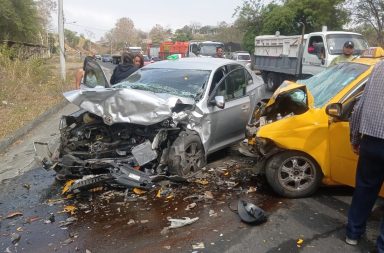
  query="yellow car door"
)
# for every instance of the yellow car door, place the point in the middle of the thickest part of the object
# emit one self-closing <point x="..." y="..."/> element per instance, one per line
<point x="343" y="161"/>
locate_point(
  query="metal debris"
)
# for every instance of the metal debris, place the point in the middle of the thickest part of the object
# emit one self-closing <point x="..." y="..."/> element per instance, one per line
<point x="199" y="245"/>
<point x="177" y="223"/>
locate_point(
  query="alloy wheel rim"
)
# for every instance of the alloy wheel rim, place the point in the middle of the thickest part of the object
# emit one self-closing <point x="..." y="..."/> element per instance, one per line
<point x="193" y="157"/>
<point x="296" y="173"/>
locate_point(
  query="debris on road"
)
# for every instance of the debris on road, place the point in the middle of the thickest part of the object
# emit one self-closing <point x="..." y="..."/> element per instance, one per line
<point x="13" y="215"/>
<point x="15" y="238"/>
<point x="190" y="206"/>
<point x="199" y="245"/>
<point x="177" y="223"/>
<point x="250" y="213"/>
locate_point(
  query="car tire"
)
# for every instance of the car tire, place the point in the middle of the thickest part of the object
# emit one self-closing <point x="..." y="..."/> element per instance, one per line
<point x="293" y="174"/>
<point x="186" y="154"/>
<point x="272" y="81"/>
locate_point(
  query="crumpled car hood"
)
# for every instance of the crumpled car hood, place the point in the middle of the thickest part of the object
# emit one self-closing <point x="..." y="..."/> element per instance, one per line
<point x="122" y="105"/>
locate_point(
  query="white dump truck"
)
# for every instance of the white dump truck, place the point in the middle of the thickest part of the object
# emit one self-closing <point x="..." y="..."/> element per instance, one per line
<point x="280" y="58"/>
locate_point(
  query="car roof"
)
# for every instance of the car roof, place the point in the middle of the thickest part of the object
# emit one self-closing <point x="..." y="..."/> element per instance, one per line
<point x="201" y="63"/>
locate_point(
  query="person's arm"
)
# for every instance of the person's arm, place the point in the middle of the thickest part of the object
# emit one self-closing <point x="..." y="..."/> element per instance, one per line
<point x="354" y="124"/>
<point x="78" y="77"/>
<point x="334" y="61"/>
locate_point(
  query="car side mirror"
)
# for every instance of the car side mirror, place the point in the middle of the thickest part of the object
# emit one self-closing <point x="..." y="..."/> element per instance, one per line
<point x="218" y="101"/>
<point x="334" y="110"/>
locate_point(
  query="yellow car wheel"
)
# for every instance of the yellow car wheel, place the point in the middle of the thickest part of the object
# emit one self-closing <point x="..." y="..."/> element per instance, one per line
<point x="293" y="174"/>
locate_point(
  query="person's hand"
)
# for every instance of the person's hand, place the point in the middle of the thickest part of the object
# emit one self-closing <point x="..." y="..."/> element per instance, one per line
<point x="356" y="149"/>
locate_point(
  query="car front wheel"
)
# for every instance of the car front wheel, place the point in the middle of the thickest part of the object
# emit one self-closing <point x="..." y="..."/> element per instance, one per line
<point x="293" y="174"/>
<point x="186" y="155"/>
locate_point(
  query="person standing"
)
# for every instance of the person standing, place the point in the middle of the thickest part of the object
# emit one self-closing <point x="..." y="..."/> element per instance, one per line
<point x="138" y="61"/>
<point x="347" y="55"/>
<point x="367" y="139"/>
<point x="123" y="70"/>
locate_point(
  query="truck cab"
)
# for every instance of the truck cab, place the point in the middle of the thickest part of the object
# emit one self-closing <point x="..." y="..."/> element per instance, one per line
<point x="280" y="58"/>
<point x="320" y="48"/>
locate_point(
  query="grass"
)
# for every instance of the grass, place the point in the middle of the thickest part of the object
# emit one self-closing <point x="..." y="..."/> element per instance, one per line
<point x="29" y="87"/>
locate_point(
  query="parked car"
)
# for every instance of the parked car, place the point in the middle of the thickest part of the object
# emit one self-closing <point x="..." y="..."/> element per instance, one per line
<point x="242" y="57"/>
<point x="300" y="137"/>
<point x="106" y="58"/>
<point x="98" y="57"/>
<point x="165" y="118"/>
<point x="154" y="59"/>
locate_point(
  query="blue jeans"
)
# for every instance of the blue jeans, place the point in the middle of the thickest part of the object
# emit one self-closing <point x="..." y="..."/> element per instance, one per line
<point x="369" y="178"/>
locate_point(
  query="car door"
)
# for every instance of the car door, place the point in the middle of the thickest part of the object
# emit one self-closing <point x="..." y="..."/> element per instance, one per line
<point x="312" y="64"/>
<point x="94" y="75"/>
<point x="343" y="161"/>
<point x="228" y="124"/>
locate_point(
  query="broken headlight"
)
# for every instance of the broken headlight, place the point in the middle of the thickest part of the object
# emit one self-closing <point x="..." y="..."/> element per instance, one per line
<point x="264" y="145"/>
<point x="63" y="123"/>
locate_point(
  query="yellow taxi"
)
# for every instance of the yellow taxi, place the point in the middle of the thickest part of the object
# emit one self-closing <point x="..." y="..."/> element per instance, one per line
<point x="300" y="136"/>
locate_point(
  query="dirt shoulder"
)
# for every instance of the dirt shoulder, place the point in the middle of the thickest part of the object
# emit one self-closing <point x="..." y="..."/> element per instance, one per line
<point x="29" y="88"/>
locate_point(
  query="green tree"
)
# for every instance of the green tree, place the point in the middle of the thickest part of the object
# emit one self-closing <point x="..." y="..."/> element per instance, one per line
<point x="19" y="21"/>
<point x="158" y="34"/>
<point x="71" y="38"/>
<point x="369" y="14"/>
<point x="249" y="21"/>
<point x="183" y="34"/>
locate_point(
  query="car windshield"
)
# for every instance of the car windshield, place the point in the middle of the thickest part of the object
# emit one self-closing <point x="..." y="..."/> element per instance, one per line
<point x="243" y="57"/>
<point x="209" y="49"/>
<point x="328" y="83"/>
<point x="336" y="42"/>
<point x="178" y="82"/>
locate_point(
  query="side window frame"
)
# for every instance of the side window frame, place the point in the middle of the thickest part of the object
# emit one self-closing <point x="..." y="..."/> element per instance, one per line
<point x="350" y="99"/>
<point x="226" y="81"/>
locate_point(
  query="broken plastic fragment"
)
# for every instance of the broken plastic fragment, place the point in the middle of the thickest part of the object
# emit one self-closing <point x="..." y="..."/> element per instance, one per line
<point x="199" y="245"/>
<point x="69" y="209"/>
<point x="14" y="214"/>
<point x="167" y="193"/>
<point x="299" y="242"/>
<point x="208" y="195"/>
<point x="251" y="189"/>
<point x="190" y="206"/>
<point x="201" y="181"/>
<point x="138" y="191"/>
<point x="177" y="223"/>
<point x="67" y="186"/>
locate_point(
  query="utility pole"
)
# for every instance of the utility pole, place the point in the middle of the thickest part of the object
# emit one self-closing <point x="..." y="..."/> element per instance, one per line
<point x="61" y="40"/>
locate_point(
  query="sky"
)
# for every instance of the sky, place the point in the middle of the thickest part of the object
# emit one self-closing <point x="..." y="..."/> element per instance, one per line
<point x="94" y="18"/>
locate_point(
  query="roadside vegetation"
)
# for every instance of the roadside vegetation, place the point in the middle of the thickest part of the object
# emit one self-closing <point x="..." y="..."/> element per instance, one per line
<point x="28" y="88"/>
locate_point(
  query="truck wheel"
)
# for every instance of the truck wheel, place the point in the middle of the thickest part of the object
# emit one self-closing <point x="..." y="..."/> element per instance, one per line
<point x="186" y="155"/>
<point x="272" y="81"/>
<point x="293" y="174"/>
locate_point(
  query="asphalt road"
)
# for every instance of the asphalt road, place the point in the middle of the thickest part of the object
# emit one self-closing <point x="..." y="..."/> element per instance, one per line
<point x="32" y="217"/>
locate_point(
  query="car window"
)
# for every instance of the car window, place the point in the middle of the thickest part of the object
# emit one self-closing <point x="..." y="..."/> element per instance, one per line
<point x="331" y="81"/>
<point x="234" y="85"/>
<point x="244" y="57"/>
<point x="219" y="74"/>
<point x="179" y="82"/>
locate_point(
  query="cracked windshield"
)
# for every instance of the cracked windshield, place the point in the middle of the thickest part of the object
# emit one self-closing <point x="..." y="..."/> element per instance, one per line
<point x="217" y="126"/>
<point x="185" y="83"/>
